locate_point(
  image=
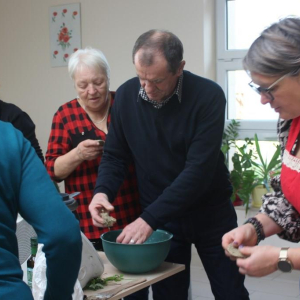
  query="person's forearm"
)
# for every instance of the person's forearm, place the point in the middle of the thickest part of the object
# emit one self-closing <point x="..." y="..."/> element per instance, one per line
<point x="294" y="257"/>
<point x="66" y="164"/>
<point x="269" y="226"/>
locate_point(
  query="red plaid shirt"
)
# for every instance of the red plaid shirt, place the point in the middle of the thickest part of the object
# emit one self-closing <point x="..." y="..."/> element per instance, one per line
<point x="70" y="126"/>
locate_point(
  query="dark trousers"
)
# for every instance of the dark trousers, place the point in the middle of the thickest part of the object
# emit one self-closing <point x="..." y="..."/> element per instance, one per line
<point x="204" y="228"/>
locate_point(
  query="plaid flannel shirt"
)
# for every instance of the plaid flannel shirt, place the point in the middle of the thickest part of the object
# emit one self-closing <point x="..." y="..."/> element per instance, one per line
<point x="70" y="126"/>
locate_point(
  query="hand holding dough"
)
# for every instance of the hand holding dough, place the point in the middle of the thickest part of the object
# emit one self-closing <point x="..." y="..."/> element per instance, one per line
<point x="235" y="252"/>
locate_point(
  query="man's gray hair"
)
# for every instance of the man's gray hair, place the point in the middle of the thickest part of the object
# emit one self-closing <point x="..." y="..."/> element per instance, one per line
<point x="159" y="41"/>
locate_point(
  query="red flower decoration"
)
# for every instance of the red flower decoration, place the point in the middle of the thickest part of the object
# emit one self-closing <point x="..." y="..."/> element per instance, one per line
<point x="55" y="53"/>
<point x="75" y="13"/>
<point x="64" y="37"/>
<point x="66" y="56"/>
<point x="75" y="49"/>
<point x="64" y="11"/>
<point x="61" y="37"/>
<point x="54" y="15"/>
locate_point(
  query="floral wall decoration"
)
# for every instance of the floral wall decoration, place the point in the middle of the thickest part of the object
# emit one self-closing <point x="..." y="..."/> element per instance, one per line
<point x="65" y="35"/>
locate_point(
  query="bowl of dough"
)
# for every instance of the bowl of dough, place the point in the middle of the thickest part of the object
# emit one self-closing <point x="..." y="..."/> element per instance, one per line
<point x="137" y="258"/>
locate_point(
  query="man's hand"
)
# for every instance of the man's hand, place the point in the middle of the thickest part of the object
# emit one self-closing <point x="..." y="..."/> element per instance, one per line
<point x="99" y="204"/>
<point x="136" y="232"/>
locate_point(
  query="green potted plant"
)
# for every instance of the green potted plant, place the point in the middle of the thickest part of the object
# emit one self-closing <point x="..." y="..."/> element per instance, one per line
<point x="230" y="136"/>
<point x="264" y="171"/>
<point x="242" y="176"/>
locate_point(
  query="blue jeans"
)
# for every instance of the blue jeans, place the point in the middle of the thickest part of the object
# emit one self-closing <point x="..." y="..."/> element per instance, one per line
<point x="204" y="228"/>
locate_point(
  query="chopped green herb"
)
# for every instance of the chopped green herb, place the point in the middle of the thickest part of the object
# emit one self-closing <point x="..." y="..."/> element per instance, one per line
<point x="109" y="221"/>
<point x="99" y="283"/>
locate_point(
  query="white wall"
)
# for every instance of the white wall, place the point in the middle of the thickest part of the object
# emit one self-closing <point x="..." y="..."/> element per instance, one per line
<point x="27" y="78"/>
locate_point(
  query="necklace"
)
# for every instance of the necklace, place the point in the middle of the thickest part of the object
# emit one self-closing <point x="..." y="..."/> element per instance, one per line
<point x="105" y="116"/>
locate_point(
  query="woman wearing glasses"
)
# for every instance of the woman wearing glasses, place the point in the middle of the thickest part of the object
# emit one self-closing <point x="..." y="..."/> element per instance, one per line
<point x="273" y="63"/>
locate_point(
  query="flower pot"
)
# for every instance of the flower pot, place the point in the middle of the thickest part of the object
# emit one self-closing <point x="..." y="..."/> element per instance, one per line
<point x="257" y="193"/>
<point x="237" y="201"/>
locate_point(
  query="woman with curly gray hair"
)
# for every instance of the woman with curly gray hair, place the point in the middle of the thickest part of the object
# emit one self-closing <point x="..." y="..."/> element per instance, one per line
<point x="273" y="63"/>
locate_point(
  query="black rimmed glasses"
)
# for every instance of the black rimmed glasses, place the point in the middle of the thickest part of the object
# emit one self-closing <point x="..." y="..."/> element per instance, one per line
<point x="266" y="91"/>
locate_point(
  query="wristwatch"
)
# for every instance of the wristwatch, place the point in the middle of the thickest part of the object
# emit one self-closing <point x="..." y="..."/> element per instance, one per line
<point x="284" y="264"/>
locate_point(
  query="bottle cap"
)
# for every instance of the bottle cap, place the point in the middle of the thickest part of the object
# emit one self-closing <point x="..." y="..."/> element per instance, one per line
<point x="33" y="241"/>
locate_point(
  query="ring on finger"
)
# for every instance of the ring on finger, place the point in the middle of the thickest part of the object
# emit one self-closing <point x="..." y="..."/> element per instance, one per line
<point x="132" y="241"/>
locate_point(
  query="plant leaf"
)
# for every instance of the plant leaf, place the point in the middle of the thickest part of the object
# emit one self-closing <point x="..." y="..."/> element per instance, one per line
<point x="258" y="150"/>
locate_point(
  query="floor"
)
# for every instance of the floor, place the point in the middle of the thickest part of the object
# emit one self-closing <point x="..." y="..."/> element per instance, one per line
<point x="277" y="286"/>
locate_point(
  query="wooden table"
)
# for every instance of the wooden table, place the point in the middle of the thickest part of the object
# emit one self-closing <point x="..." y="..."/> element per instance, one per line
<point x="163" y="271"/>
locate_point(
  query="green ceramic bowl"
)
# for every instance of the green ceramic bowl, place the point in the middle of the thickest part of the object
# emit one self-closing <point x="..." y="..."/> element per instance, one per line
<point x="134" y="258"/>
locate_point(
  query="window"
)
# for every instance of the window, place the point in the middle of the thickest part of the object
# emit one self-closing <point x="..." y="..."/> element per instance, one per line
<point x="239" y="23"/>
<point x="267" y="149"/>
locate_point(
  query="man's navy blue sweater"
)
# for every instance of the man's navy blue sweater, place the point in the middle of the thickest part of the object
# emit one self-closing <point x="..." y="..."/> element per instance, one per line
<point x="176" y="150"/>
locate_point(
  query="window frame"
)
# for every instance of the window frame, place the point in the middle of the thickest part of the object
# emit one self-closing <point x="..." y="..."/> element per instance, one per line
<point x="230" y="60"/>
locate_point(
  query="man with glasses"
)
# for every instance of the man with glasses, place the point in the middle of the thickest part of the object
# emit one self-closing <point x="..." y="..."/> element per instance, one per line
<point x="170" y="122"/>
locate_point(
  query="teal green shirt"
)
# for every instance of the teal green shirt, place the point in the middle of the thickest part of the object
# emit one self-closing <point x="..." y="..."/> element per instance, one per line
<point x="26" y="188"/>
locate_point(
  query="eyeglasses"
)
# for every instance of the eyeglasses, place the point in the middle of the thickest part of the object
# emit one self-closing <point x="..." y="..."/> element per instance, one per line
<point x="266" y="91"/>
